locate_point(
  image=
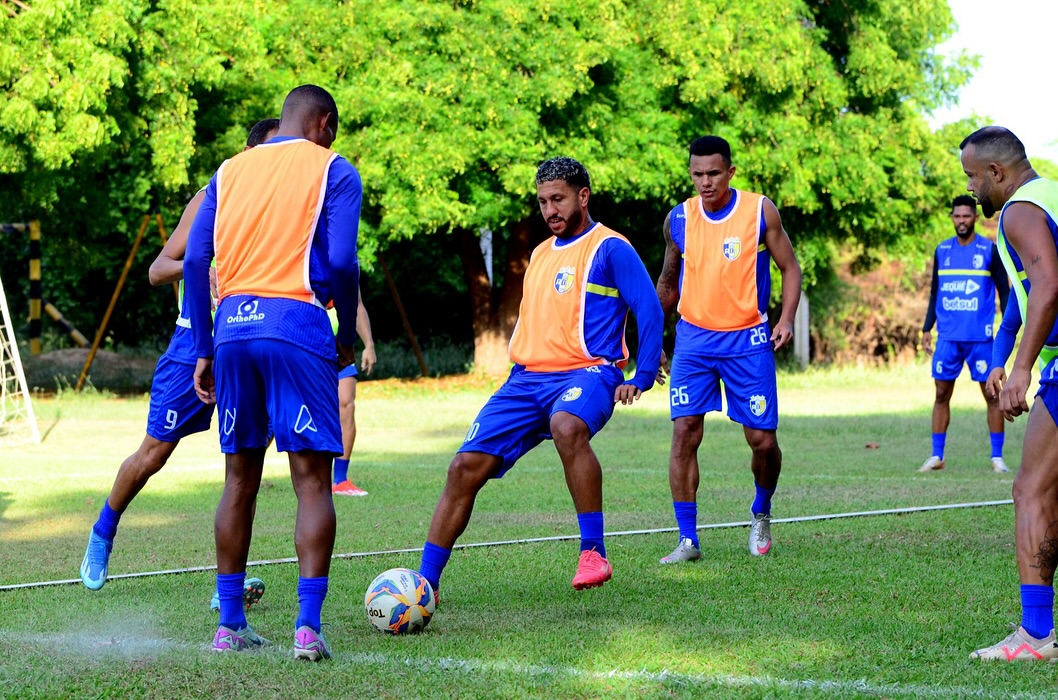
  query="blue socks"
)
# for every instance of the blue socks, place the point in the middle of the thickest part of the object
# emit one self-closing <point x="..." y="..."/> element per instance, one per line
<point x="1037" y="609"/>
<point x="107" y="524"/>
<point x="341" y="470"/>
<point x="434" y="560"/>
<point x="997" y="443"/>
<point x="591" y="528"/>
<point x="938" y="444"/>
<point x="229" y="591"/>
<point x="687" y="519"/>
<point x="311" y="592"/>
<point x="762" y="501"/>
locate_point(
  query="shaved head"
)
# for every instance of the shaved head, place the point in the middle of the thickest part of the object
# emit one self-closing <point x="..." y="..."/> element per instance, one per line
<point x="995" y="164"/>
<point x="310" y="111"/>
<point x="995" y="144"/>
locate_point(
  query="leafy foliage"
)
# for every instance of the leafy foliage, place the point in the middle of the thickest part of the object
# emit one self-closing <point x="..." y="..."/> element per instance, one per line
<point x="114" y="107"/>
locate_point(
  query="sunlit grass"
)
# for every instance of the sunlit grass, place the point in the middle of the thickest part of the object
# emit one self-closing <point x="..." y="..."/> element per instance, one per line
<point x="873" y="607"/>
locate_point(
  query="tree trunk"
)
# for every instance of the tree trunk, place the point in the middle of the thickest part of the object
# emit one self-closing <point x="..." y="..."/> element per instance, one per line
<point x="493" y="319"/>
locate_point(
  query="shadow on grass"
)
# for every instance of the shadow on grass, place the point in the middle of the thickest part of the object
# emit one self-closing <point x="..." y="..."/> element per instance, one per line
<point x="826" y="469"/>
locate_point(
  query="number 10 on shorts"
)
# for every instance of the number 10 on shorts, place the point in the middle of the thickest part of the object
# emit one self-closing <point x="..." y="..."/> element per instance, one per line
<point x="678" y="396"/>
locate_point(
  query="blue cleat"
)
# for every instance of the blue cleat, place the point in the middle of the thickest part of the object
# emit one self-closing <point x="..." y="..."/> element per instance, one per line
<point x="94" y="564"/>
<point x="252" y="591"/>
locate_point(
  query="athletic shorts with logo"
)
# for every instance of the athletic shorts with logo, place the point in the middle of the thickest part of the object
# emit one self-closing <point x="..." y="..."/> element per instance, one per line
<point x="348" y="371"/>
<point x="264" y="384"/>
<point x="949" y="356"/>
<point x="176" y="410"/>
<point x="517" y="418"/>
<point x="749" y="384"/>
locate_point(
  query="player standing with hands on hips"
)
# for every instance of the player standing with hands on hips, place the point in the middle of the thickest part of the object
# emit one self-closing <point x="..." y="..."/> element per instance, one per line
<point x="718" y="248"/>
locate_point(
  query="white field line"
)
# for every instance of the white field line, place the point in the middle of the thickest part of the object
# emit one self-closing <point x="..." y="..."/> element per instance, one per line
<point x="838" y="688"/>
<point x="96" y="645"/>
<point x="530" y="540"/>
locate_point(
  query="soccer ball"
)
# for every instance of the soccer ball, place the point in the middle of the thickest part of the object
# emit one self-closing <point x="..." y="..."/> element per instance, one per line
<point x="399" y="601"/>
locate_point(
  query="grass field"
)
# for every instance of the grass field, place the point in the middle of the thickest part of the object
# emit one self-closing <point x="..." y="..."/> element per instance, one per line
<point x="881" y="606"/>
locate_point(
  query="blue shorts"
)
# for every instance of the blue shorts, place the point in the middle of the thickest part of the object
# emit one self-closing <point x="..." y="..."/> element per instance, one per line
<point x="518" y="417"/>
<point x="347" y="372"/>
<point x="266" y="385"/>
<point x="749" y="383"/>
<point x="949" y="356"/>
<point x="1048" y="394"/>
<point x="176" y="410"/>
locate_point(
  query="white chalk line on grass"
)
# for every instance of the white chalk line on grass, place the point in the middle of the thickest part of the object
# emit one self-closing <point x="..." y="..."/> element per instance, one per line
<point x="97" y="646"/>
<point x="836" y="687"/>
<point x="531" y="540"/>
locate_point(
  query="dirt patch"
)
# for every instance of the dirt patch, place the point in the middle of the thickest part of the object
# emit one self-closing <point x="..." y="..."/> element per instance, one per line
<point x="111" y="371"/>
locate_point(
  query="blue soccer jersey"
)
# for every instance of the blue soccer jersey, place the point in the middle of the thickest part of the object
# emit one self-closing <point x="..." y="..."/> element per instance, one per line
<point x="963" y="298"/>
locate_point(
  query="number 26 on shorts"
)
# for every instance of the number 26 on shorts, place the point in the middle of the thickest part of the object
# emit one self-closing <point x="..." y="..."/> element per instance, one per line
<point x="678" y="396"/>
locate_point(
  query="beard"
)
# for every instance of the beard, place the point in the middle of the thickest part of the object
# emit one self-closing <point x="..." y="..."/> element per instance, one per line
<point x="573" y="224"/>
<point x="964" y="234"/>
<point x="984" y="197"/>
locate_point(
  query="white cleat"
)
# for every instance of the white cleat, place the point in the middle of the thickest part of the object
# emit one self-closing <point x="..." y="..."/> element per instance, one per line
<point x="999" y="466"/>
<point x="685" y="551"/>
<point x="1020" y="646"/>
<point x="760" y="535"/>
<point x="932" y="464"/>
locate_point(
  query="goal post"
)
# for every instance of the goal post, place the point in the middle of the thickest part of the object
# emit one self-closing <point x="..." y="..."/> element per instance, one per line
<point x="18" y="424"/>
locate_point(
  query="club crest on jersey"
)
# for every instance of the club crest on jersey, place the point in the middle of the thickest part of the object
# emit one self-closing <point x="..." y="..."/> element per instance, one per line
<point x="564" y="280"/>
<point x="982" y="366"/>
<point x="572" y="394"/>
<point x="732" y="248"/>
<point x="979" y="261"/>
<point x="757" y="404"/>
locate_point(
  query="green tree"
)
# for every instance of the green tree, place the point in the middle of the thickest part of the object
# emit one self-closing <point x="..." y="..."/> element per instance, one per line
<point x="111" y="107"/>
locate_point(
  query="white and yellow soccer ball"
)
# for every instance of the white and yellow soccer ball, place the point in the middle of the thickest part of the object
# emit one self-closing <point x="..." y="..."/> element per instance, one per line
<point x="399" y="601"/>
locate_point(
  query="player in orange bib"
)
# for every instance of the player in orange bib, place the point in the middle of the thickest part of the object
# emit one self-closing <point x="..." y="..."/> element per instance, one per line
<point x="568" y="348"/>
<point x="282" y="221"/>
<point x="719" y="245"/>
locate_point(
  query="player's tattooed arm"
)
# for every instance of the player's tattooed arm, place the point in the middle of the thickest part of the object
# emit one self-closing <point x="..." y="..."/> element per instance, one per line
<point x="668" y="282"/>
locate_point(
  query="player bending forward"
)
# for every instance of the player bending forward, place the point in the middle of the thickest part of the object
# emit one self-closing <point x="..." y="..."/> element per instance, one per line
<point x="568" y="348"/>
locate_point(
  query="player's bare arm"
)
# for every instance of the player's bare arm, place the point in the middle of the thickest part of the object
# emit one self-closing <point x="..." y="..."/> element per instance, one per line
<point x="668" y="289"/>
<point x="778" y="244"/>
<point x="1025" y="226"/>
<point x="363" y="329"/>
<point x="168" y="267"/>
<point x="669" y="280"/>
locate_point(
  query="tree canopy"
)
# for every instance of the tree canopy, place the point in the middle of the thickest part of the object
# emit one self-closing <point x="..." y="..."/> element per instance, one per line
<point x="112" y="107"/>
